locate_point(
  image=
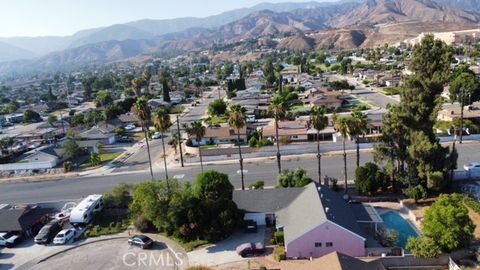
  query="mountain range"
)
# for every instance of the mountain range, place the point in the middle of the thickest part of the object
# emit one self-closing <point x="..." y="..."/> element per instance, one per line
<point x="341" y="25"/>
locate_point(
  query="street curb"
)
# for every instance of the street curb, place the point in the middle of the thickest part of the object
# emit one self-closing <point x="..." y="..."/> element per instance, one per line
<point x="40" y="178"/>
<point x="33" y="262"/>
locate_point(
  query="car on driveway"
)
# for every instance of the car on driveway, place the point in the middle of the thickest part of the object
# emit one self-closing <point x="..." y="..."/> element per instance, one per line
<point x="64" y="236"/>
<point x="47" y="232"/>
<point x="250" y="249"/>
<point x="130" y="127"/>
<point x="156" y="135"/>
<point x="9" y="239"/>
<point x="142" y="241"/>
<point x="472" y="167"/>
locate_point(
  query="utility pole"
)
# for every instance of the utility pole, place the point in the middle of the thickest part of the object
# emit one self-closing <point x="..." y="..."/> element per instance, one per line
<point x="452" y="172"/>
<point x="462" y="104"/>
<point x="179" y="141"/>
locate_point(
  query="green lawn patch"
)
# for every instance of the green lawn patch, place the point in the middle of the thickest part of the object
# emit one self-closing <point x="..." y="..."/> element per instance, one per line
<point x="177" y="110"/>
<point x="204" y="147"/>
<point x="188" y="246"/>
<point x="106" y="157"/>
<point x="390" y="91"/>
<point x="296" y="107"/>
<point x="217" y="120"/>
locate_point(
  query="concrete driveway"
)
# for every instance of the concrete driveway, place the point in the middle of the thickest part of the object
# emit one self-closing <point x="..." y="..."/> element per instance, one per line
<point x="224" y="251"/>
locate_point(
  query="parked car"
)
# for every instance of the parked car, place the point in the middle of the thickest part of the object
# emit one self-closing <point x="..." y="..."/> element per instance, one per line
<point x="130" y="127"/>
<point x="250" y="249"/>
<point x="250" y="226"/>
<point x="9" y="239"/>
<point x="124" y="139"/>
<point x="142" y="241"/>
<point x="47" y="232"/>
<point x="64" y="236"/>
<point x="251" y="119"/>
<point x="156" y="135"/>
<point x="472" y="167"/>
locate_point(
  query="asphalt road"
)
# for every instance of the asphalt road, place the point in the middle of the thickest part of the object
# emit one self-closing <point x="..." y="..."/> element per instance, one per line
<point x="372" y="96"/>
<point x="139" y="159"/>
<point x="75" y="188"/>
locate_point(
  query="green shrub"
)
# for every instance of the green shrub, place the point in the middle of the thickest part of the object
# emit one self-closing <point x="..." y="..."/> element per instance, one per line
<point x="142" y="223"/>
<point x="67" y="166"/>
<point x="279" y="238"/>
<point x="253" y="142"/>
<point x="369" y="179"/>
<point x="279" y="253"/>
<point x="257" y="185"/>
<point x="416" y="193"/>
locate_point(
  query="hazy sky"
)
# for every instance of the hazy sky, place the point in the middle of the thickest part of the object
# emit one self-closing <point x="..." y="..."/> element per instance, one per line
<point x="65" y="17"/>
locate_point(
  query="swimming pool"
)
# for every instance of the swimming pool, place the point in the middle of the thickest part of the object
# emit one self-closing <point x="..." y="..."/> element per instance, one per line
<point x="393" y="220"/>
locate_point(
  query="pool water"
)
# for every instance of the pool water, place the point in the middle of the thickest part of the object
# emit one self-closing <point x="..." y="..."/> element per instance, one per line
<point x="393" y="220"/>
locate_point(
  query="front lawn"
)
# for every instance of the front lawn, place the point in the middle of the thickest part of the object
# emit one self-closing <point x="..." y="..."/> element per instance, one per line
<point x="106" y="157"/>
<point x="296" y="107"/>
<point x="188" y="246"/>
<point x="217" y="120"/>
<point x="177" y="109"/>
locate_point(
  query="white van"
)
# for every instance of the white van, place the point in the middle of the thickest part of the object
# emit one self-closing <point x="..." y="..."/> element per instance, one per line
<point x="83" y="212"/>
<point x="251" y="119"/>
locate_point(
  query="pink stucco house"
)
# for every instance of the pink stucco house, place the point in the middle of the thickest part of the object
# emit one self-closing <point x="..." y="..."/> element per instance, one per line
<point x="315" y="220"/>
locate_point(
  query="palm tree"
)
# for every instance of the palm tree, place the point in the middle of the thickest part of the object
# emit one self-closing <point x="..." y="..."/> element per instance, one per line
<point x="198" y="130"/>
<point x="164" y="80"/>
<point x="358" y="124"/>
<point x="175" y="138"/>
<point x="277" y="108"/>
<point x="236" y="119"/>
<point x="161" y="120"/>
<point x="143" y="113"/>
<point x="137" y="86"/>
<point x="341" y="126"/>
<point x="319" y="122"/>
<point x="146" y="76"/>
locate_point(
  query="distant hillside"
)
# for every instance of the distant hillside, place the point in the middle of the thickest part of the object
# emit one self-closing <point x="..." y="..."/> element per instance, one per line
<point x="297" y="43"/>
<point x="9" y="53"/>
<point x="373" y="12"/>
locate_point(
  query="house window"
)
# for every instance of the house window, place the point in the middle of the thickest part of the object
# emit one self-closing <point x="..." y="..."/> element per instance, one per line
<point x="329" y="244"/>
<point x="318" y="244"/>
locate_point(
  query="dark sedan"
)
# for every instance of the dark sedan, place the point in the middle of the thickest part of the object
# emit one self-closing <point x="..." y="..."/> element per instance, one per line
<point x="250" y="249"/>
<point x="142" y="241"/>
<point x="46" y="234"/>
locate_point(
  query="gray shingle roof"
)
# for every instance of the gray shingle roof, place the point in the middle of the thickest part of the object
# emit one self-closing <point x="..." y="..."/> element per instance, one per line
<point x="299" y="210"/>
<point x="16" y="220"/>
<point x="265" y="200"/>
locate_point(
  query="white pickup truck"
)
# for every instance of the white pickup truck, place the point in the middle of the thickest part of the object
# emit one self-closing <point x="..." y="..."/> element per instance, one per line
<point x="8" y="239"/>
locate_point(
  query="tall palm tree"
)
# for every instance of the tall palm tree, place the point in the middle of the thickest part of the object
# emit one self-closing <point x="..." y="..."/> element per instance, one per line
<point x="237" y="119"/>
<point x="319" y="122"/>
<point x="137" y="86"/>
<point x="198" y="130"/>
<point x="146" y="76"/>
<point x="161" y="120"/>
<point x="164" y="80"/>
<point x="143" y="113"/>
<point x="277" y="108"/>
<point x="341" y="126"/>
<point x="358" y="125"/>
<point x="175" y="138"/>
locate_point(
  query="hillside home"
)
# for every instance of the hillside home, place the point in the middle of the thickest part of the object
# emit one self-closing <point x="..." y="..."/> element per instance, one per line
<point x="329" y="225"/>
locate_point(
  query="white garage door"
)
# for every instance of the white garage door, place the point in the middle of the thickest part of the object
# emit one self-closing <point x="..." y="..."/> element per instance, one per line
<point x="257" y="217"/>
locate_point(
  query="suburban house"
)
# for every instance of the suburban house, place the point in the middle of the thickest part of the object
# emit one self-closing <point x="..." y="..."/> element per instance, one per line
<point x="327" y="226"/>
<point x="24" y="220"/>
<point x="390" y="81"/>
<point x="45" y="157"/>
<point x="296" y="130"/>
<point x="102" y="133"/>
<point x="450" y="112"/>
<point x="327" y="99"/>
<point x="333" y="261"/>
<point x="222" y="135"/>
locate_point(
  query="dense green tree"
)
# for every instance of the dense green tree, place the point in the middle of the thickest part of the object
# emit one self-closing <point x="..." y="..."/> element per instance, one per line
<point x="369" y="179"/>
<point x="269" y="72"/>
<point x="465" y="89"/>
<point x="143" y="113"/>
<point x="446" y="224"/>
<point x="319" y="121"/>
<point x="217" y="107"/>
<point x="10" y="108"/>
<point x="137" y="86"/>
<point x="278" y="109"/>
<point x="165" y="79"/>
<point x="431" y="59"/>
<point x="212" y="185"/>
<point x="103" y="98"/>
<point x="237" y="120"/>
<point x="30" y="116"/>
<point x="72" y="149"/>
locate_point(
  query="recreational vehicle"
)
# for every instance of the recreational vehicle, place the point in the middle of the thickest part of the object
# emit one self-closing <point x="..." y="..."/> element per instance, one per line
<point x="83" y="212"/>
